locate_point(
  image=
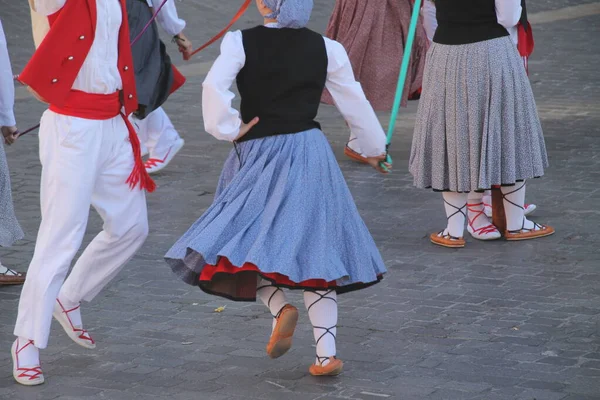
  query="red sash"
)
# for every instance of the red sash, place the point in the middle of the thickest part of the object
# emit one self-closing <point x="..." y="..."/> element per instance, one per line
<point x="102" y="107"/>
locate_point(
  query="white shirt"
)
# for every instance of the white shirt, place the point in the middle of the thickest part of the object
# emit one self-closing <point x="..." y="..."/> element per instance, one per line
<point x="223" y="122"/>
<point x="167" y="18"/>
<point x="508" y="13"/>
<point x="7" y="86"/>
<point x="99" y="73"/>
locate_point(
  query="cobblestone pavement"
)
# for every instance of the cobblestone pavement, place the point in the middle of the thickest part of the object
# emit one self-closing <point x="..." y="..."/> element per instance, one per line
<point x="491" y="321"/>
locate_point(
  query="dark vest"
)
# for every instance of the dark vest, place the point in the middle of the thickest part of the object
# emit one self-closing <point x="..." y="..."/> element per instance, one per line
<point x="282" y="80"/>
<point x="467" y="21"/>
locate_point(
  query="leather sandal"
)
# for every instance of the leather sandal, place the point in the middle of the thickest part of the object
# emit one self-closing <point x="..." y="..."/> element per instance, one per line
<point x="11" y="277"/>
<point x="281" y="338"/>
<point x="537" y="231"/>
<point x="353" y="155"/>
<point x="333" y="368"/>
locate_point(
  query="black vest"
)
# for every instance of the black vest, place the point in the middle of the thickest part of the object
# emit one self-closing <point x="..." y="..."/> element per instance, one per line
<point x="467" y="21"/>
<point x="282" y="80"/>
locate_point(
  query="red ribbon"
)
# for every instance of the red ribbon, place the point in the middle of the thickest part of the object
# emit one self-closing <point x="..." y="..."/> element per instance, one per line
<point x="219" y="35"/>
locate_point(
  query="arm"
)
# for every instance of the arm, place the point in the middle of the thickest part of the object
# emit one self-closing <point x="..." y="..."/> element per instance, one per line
<point x="46" y="7"/>
<point x="167" y="18"/>
<point x="508" y="12"/>
<point x="350" y="100"/>
<point x="7" y="86"/>
<point x="220" y="119"/>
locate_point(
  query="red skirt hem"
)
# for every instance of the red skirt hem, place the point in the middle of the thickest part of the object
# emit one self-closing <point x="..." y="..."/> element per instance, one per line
<point x="226" y="270"/>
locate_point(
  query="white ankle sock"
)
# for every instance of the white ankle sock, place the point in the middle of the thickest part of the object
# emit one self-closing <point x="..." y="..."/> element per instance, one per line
<point x="514" y="203"/>
<point x="475" y="214"/>
<point x="272" y="297"/>
<point x="323" y="313"/>
<point x="73" y="311"/>
<point x="28" y="355"/>
<point x="456" y="209"/>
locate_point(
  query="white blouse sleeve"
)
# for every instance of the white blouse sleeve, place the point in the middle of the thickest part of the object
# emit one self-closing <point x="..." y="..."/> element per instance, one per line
<point x="220" y="119"/>
<point x="46" y="7"/>
<point x="7" y="86"/>
<point x="167" y="18"/>
<point x="350" y="100"/>
<point x="508" y="12"/>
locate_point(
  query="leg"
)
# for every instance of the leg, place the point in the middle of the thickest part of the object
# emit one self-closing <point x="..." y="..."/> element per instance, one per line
<point x="455" y="205"/>
<point x="488" y="204"/>
<point x="163" y="140"/>
<point x="285" y="317"/>
<point x="67" y="183"/>
<point x="125" y="228"/>
<point x="141" y="128"/>
<point x="323" y="313"/>
<point x="496" y="210"/>
<point x="518" y="227"/>
<point x="479" y="224"/>
<point x="69" y="154"/>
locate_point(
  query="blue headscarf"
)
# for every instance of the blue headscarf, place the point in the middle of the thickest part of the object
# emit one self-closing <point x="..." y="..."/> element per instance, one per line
<point x="290" y="13"/>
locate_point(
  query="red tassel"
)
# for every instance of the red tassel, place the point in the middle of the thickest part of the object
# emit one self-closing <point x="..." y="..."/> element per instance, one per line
<point x="139" y="175"/>
<point x="525" y="43"/>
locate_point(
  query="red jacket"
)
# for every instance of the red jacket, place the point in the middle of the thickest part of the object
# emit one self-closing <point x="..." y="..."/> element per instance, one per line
<point x="54" y="66"/>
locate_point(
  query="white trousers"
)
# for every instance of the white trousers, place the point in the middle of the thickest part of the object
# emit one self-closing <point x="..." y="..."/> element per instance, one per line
<point x="156" y="132"/>
<point x="84" y="162"/>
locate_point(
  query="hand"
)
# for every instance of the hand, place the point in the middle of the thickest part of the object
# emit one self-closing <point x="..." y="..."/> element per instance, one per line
<point x="375" y="163"/>
<point x="246" y="127"/>
<point x="184" y="44"/>
<point x="10" y="134"/>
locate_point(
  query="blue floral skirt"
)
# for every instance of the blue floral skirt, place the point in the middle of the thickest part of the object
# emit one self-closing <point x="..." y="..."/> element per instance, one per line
<point x="282" y="211"/>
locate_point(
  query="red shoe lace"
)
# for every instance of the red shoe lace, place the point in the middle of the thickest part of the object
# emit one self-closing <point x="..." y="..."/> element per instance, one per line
<point x="153" y="162"/>
<point x="484" y="230"/>
<point x="27" y="372"/>
<point x="84" y="334"/>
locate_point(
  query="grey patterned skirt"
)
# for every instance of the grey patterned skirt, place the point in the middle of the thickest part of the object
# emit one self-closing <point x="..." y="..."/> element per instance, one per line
<point x="477" y="123"/>
<point x="10" y="230"/>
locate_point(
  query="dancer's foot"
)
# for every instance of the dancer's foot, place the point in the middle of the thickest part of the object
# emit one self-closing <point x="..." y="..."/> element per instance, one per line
<point x="158" y="162"/>
<point x="26" y="363"/>
<point x="69" y="317"/>
<point x="281" y="338"/>
<point x="487" y="207"/>
<point x="529" y="208"/>
<point x="10" y="277"/>
<point x="331" y="366"/>
<point x="446" y="240"/>
<point x="353" y="152"/>
<point x="518" y="227"/>
<point x="479" y="225"/>
<point x="530" y="230"/>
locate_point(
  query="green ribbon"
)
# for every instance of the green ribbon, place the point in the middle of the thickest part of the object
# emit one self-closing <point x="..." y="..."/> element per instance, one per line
<point x="402" y="78"/>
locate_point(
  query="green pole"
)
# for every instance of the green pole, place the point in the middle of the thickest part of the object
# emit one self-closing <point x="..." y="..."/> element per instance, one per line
<point x="403" y="71"/>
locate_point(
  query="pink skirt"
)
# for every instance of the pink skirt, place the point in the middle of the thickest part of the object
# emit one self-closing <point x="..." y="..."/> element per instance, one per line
<point x="374" y="34"/>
